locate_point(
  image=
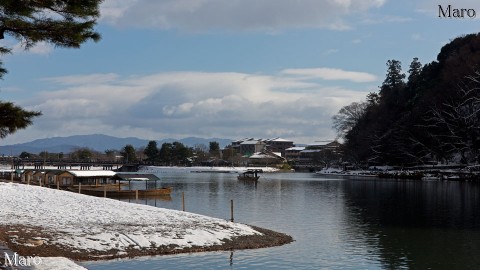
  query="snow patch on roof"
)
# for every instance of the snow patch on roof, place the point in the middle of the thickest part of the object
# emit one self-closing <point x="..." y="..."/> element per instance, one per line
<point x="297" y="148"/>
<point x="91" y="173"/>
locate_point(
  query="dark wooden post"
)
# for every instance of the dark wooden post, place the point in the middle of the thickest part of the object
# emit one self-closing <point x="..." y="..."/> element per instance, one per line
<point x="183" y="201"/>
<point x="231" y="211"/>
<point x="80" y="188"/>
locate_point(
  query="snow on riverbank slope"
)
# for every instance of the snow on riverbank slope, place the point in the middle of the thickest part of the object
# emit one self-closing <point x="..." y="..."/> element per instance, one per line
<point x="85" y="224"/>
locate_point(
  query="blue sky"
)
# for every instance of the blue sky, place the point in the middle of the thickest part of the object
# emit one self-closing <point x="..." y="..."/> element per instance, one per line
<point x="216" y="68"/>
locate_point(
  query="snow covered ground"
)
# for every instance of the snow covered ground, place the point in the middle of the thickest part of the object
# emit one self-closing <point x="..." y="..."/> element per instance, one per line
<point x="57" y="263"/>
<point x="85" y="223"/>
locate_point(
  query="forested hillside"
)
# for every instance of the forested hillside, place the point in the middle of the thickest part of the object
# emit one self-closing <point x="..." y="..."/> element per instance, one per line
<point x="430" y="114"/>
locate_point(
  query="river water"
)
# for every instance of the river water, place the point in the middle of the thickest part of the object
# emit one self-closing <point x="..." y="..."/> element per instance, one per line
<point x="337" y="223"/>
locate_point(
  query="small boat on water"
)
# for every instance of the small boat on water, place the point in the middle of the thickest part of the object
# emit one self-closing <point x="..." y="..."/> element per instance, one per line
<point x="116" y="190"/>
<point x="125" y="193"/>
<point x="249" y="175"/>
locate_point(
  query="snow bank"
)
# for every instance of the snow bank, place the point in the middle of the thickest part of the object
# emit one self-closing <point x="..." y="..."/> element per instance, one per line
<point x="57" y="263"/>
<point x="87" y="223"/>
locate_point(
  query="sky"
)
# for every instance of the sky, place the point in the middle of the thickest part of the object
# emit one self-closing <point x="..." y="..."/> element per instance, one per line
<point x="227" y="69"/>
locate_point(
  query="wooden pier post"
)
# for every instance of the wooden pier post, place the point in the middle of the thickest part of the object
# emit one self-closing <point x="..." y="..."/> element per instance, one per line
<point x="79" y="188"/>
<point x="183" y="201"/>
<point x="13" y="167"/>
<point x="231" y="211"/>
<point x="136" y="195"/>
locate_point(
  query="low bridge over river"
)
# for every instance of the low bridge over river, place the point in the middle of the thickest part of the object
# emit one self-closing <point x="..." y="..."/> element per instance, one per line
<point x="39" y="164"/>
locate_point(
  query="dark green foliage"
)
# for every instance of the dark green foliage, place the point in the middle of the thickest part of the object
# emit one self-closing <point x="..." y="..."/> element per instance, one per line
<point x="63" y="23"/>
<point x="151" y="151"/>
<point x="13" y="118"/>
<point x="433" y="116"/>
<point x="128" y="154"/>
<point x="25" y="155"/>
<point x="175" y="154"/>
<point x="214" y="149"/>
<point x="82" y="154"/>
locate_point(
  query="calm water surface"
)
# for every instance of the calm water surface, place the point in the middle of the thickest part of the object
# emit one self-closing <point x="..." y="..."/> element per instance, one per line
<point x="336" y="223"/>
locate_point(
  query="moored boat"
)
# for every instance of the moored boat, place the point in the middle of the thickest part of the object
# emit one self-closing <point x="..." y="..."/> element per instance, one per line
<point x="249" y="175"/>
<point x="116" y="190"/>
<point x="125" y="193"/>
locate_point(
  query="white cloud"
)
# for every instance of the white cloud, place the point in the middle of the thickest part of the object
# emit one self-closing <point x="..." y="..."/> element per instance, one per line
<point x="331" y="51"/>
<point x="85" y="79"/>
<point x="234" y="15"/>
<point x="332" y="74"/>
<point x="381" y="19"/>
<point x="417" y="36"/>
<point x="179" y="104"/>
<point x="41" y="48"/>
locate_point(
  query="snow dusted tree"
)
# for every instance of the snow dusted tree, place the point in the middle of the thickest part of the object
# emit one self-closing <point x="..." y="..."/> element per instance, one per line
<point x="455" y="125"/>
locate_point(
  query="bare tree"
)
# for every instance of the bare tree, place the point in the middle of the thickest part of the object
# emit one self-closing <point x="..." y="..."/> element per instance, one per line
<point x="347" y="117"/>
<point x="455" y="124"/>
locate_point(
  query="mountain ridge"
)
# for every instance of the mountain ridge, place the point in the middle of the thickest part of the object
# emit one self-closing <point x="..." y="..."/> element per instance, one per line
<point x="97" y="142"/>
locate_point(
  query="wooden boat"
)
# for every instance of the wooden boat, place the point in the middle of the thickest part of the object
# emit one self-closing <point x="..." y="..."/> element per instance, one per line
<point x="98" y="187"/>
<point x="115" y="190"/>
<point x="124" y="193"/>
<point x="249" y="175"/>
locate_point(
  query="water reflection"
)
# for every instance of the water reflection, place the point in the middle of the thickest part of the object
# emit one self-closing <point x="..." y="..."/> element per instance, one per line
<point x="336" y="223"/>
<point x="419" y="225"/>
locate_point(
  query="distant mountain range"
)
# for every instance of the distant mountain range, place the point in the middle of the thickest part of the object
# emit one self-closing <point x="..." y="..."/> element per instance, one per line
<point x="97" y="142"/>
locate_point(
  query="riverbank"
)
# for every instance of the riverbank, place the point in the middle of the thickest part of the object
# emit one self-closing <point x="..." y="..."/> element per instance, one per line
<point x="36" y="221"/>
<point x="462" y="174"/>
<point x="199" y="169"/>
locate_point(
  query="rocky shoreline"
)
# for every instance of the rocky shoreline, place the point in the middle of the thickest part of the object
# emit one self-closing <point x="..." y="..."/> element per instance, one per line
<point x="21" y="239"/>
